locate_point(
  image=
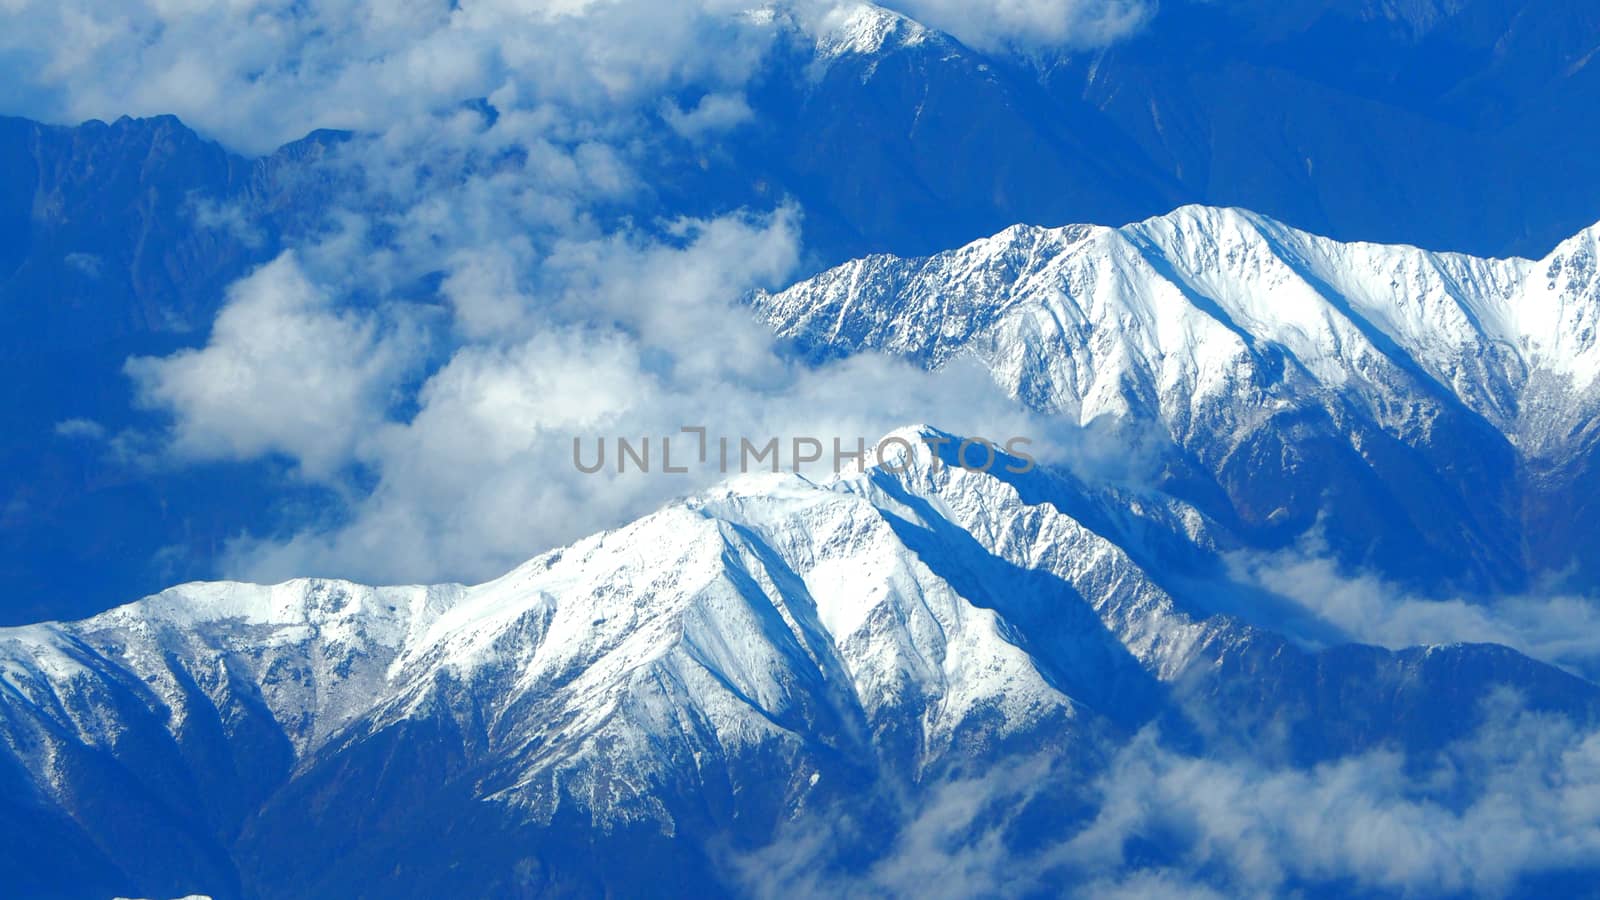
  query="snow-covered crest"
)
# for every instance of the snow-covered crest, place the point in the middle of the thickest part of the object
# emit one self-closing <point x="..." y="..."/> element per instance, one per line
<point x="778" y="610"/>
<point x="1155" y="317"/>
<point x="865" y="29"/>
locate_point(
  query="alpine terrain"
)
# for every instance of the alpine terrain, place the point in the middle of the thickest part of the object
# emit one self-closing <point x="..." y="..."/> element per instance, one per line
<point x="924" y="678"/>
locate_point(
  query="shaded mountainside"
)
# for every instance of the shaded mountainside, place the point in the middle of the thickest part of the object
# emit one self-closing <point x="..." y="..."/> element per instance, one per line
<point x="137" y="226"/>
<point x="1454" y="126"/>
<point x="657" y="708"/>
<point x="118" y="240"/>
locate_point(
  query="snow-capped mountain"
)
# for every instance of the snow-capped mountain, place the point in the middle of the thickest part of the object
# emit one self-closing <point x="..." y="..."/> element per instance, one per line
<point x="1182" y="302"/>
<point x="1286" y="381"/>
<point x="684" y="689"/>
<point x="864" y="29"/>
<point x="1139" y="669"/>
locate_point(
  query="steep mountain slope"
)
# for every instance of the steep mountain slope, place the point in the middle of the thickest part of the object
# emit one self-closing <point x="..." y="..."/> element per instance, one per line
<point x="679" y="690"/>
<point x="1449" y="125"/>
<point x="894" y="136"/>
<point x="1281" y="381"/>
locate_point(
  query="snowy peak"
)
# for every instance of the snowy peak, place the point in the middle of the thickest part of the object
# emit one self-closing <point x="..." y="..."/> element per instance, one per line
<point x="865" y="29"/>
<point x="771" y="612"/>
<point x="1088" y="321"/>
<point x="313" y="652"/>
<point x="777" y="609"/>
<point x="1289" y="385"/>
<point x="333" y="611"/>
<point x="1560" y="309"/>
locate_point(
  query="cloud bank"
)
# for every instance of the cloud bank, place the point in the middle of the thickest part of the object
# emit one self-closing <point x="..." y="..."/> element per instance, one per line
<point x="258" y="73"/>
<point x="1001" y="25"/>
<point x="1518" y="799"/>
<point x="1559" y="628"/>
<point x="463" y="468"/>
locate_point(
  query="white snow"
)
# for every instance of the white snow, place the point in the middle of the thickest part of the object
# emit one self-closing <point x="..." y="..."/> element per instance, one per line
<point x="1229" y="313"/>
<point x="769" y="612"/>
<point x="782" y="613"/>
<point x="864" y="29"/>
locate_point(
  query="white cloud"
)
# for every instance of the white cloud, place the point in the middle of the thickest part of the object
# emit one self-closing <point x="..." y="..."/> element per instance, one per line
<point x="1558" y="628"/>
<point x="998" y="25"/>
<point x="258" y="73"/>
<point x="81" y="429"/>
<point x="485" y="288"/>
<point x="623" y="335"/>
<point x="711" y="114"/>
<point x="473" y="299"/>
<point x="282" y="373"/>
<point x="1519" y="797"/>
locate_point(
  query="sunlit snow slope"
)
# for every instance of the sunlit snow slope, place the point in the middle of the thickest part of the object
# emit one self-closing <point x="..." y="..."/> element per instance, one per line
<point x="768" y="651"/>
<point x="1431" y="414"/>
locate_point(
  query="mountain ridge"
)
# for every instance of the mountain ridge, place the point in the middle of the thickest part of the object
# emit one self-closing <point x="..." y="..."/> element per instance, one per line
<point x="1271" y="371"/>
<point x="769" y="650"/>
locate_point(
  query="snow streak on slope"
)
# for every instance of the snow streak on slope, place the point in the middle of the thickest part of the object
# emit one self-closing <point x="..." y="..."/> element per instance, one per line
<point x="313" y="652"/>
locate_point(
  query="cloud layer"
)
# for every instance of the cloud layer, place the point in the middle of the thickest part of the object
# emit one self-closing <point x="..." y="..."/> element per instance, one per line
<point x="1552" y="626"/>
<point x="1002" y="25"/>
<point x="1518" y="798"/>
<point x="258" y="73"/>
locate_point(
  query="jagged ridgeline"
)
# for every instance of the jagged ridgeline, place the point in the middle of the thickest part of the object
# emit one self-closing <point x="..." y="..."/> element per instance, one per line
<point x="774" y="685"/>
<point x="1432" y="415"/>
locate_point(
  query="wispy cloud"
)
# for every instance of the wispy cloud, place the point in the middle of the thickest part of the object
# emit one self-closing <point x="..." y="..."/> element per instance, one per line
<point x="1519" y="797"/>
<point x="1553" y="626"/>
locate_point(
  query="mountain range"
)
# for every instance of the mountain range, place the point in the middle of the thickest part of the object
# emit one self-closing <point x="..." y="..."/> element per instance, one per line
<point x="1450" y="125"/>
<point x="1300" y="297"/>
<point x="793" y="683"/>
<point x="667" y="707"/>
<point x="1432" y="415"/>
